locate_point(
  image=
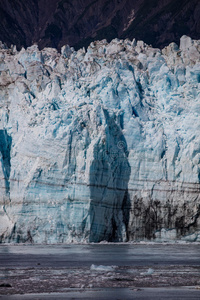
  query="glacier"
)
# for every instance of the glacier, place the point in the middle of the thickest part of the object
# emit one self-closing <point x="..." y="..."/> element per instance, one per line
<point x="100" y="144"/>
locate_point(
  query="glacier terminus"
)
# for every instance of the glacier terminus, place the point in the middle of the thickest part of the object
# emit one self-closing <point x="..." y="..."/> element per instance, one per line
<point x="100" y="144"/>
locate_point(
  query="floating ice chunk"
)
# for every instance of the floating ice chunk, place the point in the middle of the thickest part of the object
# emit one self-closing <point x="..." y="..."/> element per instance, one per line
<point x="149" y="272"/>
<point x="102" y="268"/>
<point x="103" y="242"/>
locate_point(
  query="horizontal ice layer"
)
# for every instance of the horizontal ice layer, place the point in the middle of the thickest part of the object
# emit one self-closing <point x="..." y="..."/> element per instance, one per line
<point x="102" y="144"/>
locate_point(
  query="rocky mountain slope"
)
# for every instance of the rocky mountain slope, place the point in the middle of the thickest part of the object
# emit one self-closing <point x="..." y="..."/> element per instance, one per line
<point x="100" y="145"/>
<point x="58" y="22"/>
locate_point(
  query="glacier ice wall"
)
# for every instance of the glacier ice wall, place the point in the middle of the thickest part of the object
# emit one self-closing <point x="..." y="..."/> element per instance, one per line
<point x="102" y="144"/>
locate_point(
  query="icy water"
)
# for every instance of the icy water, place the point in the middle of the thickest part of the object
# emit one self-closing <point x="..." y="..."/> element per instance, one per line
<point x="100" y="271"/>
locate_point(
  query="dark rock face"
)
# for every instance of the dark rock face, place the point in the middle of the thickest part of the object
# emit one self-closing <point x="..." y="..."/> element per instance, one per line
<point x="77" y="23"/>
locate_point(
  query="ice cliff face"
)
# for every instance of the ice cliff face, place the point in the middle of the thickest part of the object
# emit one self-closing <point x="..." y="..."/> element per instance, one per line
<point x="100" y="145"/>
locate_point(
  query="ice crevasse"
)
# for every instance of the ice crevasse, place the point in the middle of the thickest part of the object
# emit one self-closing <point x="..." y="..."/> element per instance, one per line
<point x="102" y="144"/>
